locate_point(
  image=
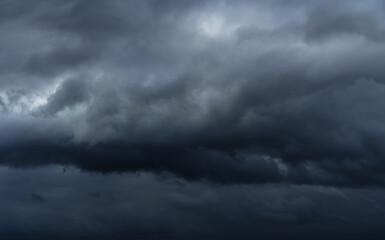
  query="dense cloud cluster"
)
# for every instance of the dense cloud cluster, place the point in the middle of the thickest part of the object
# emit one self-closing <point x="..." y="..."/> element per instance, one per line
<point x="182" y="119"/>
<point x="227" y="91"/>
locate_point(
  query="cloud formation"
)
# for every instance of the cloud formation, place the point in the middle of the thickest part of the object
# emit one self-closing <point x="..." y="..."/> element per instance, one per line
<point x="75" y="205"/>
<point x="231" y="92"/>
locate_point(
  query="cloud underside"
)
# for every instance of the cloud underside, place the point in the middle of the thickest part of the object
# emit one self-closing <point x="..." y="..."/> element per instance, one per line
<point x="224" y="91"/>
<point x="72" y="204"/>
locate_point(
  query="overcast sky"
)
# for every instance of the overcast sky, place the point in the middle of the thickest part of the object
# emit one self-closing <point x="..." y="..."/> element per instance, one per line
<point x="204" y="119"/>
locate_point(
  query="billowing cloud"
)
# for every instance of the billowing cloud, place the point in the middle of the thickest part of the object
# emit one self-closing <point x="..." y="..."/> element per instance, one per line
<point x="231" y="92"/>
<point x="171" y="119"/>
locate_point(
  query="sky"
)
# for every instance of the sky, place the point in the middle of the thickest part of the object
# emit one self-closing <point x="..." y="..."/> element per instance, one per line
<point x="205" y="119"/>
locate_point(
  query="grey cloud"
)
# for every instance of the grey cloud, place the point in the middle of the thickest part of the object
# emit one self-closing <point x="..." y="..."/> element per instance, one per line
<point x="58" y="60"/>
<point x="192" y="89"/>
<point x="330" y="22"/>
<point x="192" y="210"/>
<point x="69" y="94"/>
<point x="166" y="119"/>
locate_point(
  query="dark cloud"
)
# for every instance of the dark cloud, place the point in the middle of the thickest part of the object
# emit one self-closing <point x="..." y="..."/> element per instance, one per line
<point x="69" y="94"/>
<point x="142" y="206"/>
<point x="246" y="92"/>
<point x="192" y="164"/>
<point x="37" y="197"/>
<point x="192" y="119"/>
<point x="340" y="21"/>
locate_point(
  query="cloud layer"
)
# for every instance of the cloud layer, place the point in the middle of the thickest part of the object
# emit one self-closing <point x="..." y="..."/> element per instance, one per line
<point x="231" y="92"/>
<point x="69" y="204"/>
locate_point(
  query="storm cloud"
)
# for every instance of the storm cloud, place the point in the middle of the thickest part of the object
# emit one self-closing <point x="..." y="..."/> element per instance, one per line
<point x="240" y="119"/>
<point x="204" y="89"/>
<point x="74" y="205"/>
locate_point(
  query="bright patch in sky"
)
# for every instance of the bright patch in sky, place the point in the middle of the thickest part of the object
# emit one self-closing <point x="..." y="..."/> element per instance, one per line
<point x="211" y="26"/>
<point x="27" y="102"/>
<point x="215" y="26"/>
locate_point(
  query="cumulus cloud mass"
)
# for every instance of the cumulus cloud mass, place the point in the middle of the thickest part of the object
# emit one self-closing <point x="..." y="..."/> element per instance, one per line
<point x="241" y="119"/>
